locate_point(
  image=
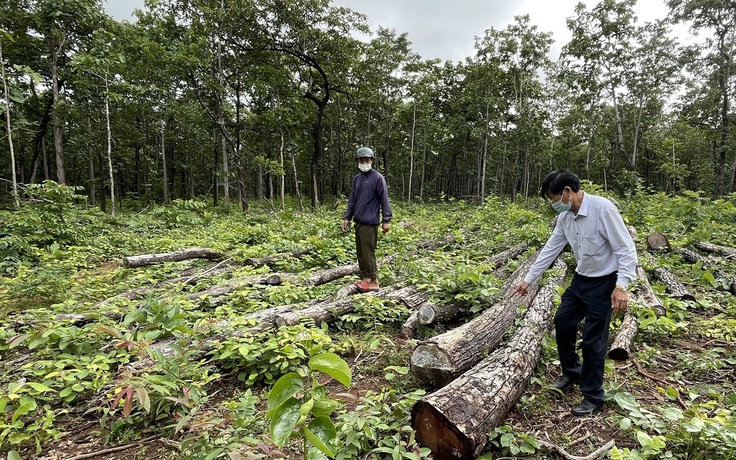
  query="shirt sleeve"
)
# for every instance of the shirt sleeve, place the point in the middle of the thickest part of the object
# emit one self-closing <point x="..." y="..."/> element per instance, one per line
<point x="351" y="202"/>
<point x="385" y="205"/>
<point x="552" y="248"/>
<point x="622" y="245"/>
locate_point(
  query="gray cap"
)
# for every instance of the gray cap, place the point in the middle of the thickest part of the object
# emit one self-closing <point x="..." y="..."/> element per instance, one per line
<point x="364" y="152"/>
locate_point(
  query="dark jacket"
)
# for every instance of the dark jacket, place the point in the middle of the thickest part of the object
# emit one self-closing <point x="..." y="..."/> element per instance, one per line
<point x="368" y="195"/>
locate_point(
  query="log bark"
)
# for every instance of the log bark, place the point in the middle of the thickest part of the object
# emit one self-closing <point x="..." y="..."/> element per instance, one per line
<point x="270" y="261"/>
<point x="454" y="421"/>
<point x="672" y="284"/>
<point x="626" y="333"/>
<point x="693" y="257"/>
<point x="729" y="253"/>
<point x="176" y="256"/>
<point x="439" y="360"/>
<point x="645" y="294"/>
<point x="657" y="242"/>
<point x="329" y="312"/>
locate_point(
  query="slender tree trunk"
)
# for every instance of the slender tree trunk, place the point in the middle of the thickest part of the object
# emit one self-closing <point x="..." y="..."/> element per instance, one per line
<point x="109" y="150"/>
<point x="6" y="93"/>
<point x="225" y="166"/>
<point x="296" y="181"/>
<point x="163" y="162"/>
<point x="282" y="187"/>
<point x="58" y="128"/>
<point x="411" y="150"/>
<point x="90" y="154"/>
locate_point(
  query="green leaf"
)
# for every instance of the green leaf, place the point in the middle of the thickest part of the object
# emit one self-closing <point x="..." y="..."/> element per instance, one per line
<point x="324" y="407"/>
<point x="143" y="398"/>
<point x="14" y="455"/>
<point x="320" y="432"/>
<point x="16" y="340"/>
<point x="284" y="420"/>
<point x="284" y="388"/>
<point x="332" y="365"/>
<point x="39" y="387"/>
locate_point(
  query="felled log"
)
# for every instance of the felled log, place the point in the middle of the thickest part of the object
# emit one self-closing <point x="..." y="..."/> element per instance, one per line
<point x="657" y="242"/>
<point x="439" y="360"/>
<point x="725" y="251"/>
<point x="693" y="257"/>
<point x="272" y="260"/>
<point x="644" y="295"/>
<point x="625" y="334"/>
<point x="672" y="284"/>
<point x="454" y="421"/>
<point x="329" y="312"/>
<point x="176" y="256"/>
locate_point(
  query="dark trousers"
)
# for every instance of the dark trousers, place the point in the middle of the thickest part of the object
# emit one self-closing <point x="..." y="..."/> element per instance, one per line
<point x="586" y="299"/>
<point x="366" y="238"/>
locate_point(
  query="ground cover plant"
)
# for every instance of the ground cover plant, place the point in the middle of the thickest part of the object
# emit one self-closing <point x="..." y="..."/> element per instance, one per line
<point x="158" y="362"/>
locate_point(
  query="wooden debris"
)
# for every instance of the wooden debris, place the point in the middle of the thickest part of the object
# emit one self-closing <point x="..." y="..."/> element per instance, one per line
<point x="693" y="257"/>
<point x="729" y="253"/>
<point x="272" y="260"/>
<point x="454" y="421"/>
<point x="176" y="256"/>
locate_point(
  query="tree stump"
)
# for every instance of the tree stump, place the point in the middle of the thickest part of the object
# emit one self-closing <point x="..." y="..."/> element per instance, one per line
<point x="454" y="421"/>
<point x="657" y="242"/>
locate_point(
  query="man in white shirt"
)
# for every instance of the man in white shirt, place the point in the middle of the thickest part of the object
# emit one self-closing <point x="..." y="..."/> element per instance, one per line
<point x="606" y="264"/>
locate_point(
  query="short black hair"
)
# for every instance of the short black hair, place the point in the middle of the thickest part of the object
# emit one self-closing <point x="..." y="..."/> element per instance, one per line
<point x="556" y="181"/>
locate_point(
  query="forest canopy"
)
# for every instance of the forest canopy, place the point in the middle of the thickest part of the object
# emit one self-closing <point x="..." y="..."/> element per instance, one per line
<point x="240" y="100"/>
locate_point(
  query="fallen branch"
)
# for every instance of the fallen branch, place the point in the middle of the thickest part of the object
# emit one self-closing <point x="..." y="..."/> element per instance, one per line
<point x="594" y="455"/>
<point x="112" y="450"/>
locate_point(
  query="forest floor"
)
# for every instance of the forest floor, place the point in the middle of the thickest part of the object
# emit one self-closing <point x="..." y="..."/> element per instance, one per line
<point x="542" y="413"/>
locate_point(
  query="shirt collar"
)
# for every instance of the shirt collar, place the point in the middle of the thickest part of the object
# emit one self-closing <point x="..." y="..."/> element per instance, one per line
<point x="583" y="211"/>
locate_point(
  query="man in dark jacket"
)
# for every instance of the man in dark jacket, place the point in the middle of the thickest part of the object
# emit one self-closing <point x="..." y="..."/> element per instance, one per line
<point x="368" y="198"/>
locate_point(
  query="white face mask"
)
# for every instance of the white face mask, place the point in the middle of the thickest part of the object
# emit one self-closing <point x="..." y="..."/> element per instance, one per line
<point x="364" y="167"/>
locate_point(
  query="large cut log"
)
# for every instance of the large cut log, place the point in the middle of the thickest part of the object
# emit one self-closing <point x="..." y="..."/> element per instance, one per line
<point x="442" y="358"/>
<point x="176" y="256"/>
<point x="728" y="252"/>
<point x="693" y="257"/>
<point x="454" y="421"/>
<point x="429" y="313"/>
<point x="672" y="284"/>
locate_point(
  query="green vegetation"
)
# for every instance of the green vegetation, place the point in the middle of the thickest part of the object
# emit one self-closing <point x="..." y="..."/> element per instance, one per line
<point x="340" y="391"/>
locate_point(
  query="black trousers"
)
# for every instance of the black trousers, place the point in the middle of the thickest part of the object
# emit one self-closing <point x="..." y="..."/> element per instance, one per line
<point x="586" y="299"/>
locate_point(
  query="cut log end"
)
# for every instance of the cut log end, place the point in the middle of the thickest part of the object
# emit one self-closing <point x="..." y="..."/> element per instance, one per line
<point x="431" y="364"/>
<point x="438" y="434"/>
<point x="619" y="354"/>
<point x="657" y="242"/>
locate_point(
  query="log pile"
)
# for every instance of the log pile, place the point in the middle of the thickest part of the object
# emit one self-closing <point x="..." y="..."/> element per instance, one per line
<point x="455" y="420"/>
<point x="693" y="257"/>
<point x="439" y="360"/>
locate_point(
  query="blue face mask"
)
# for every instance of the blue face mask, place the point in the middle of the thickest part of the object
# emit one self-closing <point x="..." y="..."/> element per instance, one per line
<point x="561" y="207"/>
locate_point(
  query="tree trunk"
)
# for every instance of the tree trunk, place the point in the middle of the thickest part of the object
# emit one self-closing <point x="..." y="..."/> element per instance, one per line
<point x="728" y="252"/>
<point x="6" y="93"/>
<point x="454" y="421"/>
<point x="693" y="258"/>
<point x="673" y="285"/>
<point x="109" y="151"/>
<point x="645" y="294"/>
<point x="58" y="128"/>
<point x="625" y="334"/>
<point x="657" y="242"/>
<point x="441" y="359"/>
<point x="176" y="256"/>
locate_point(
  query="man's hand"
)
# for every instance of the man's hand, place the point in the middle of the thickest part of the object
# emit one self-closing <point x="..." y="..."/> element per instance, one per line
<point x="385" y="227"/>
<point x="345" y="225"/>
<point x="619" y="300"/>
<point x="520" y="290"/>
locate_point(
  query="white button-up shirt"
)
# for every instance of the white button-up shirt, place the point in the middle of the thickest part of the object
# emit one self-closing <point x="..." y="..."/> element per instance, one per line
<point x="599" y="240"/>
